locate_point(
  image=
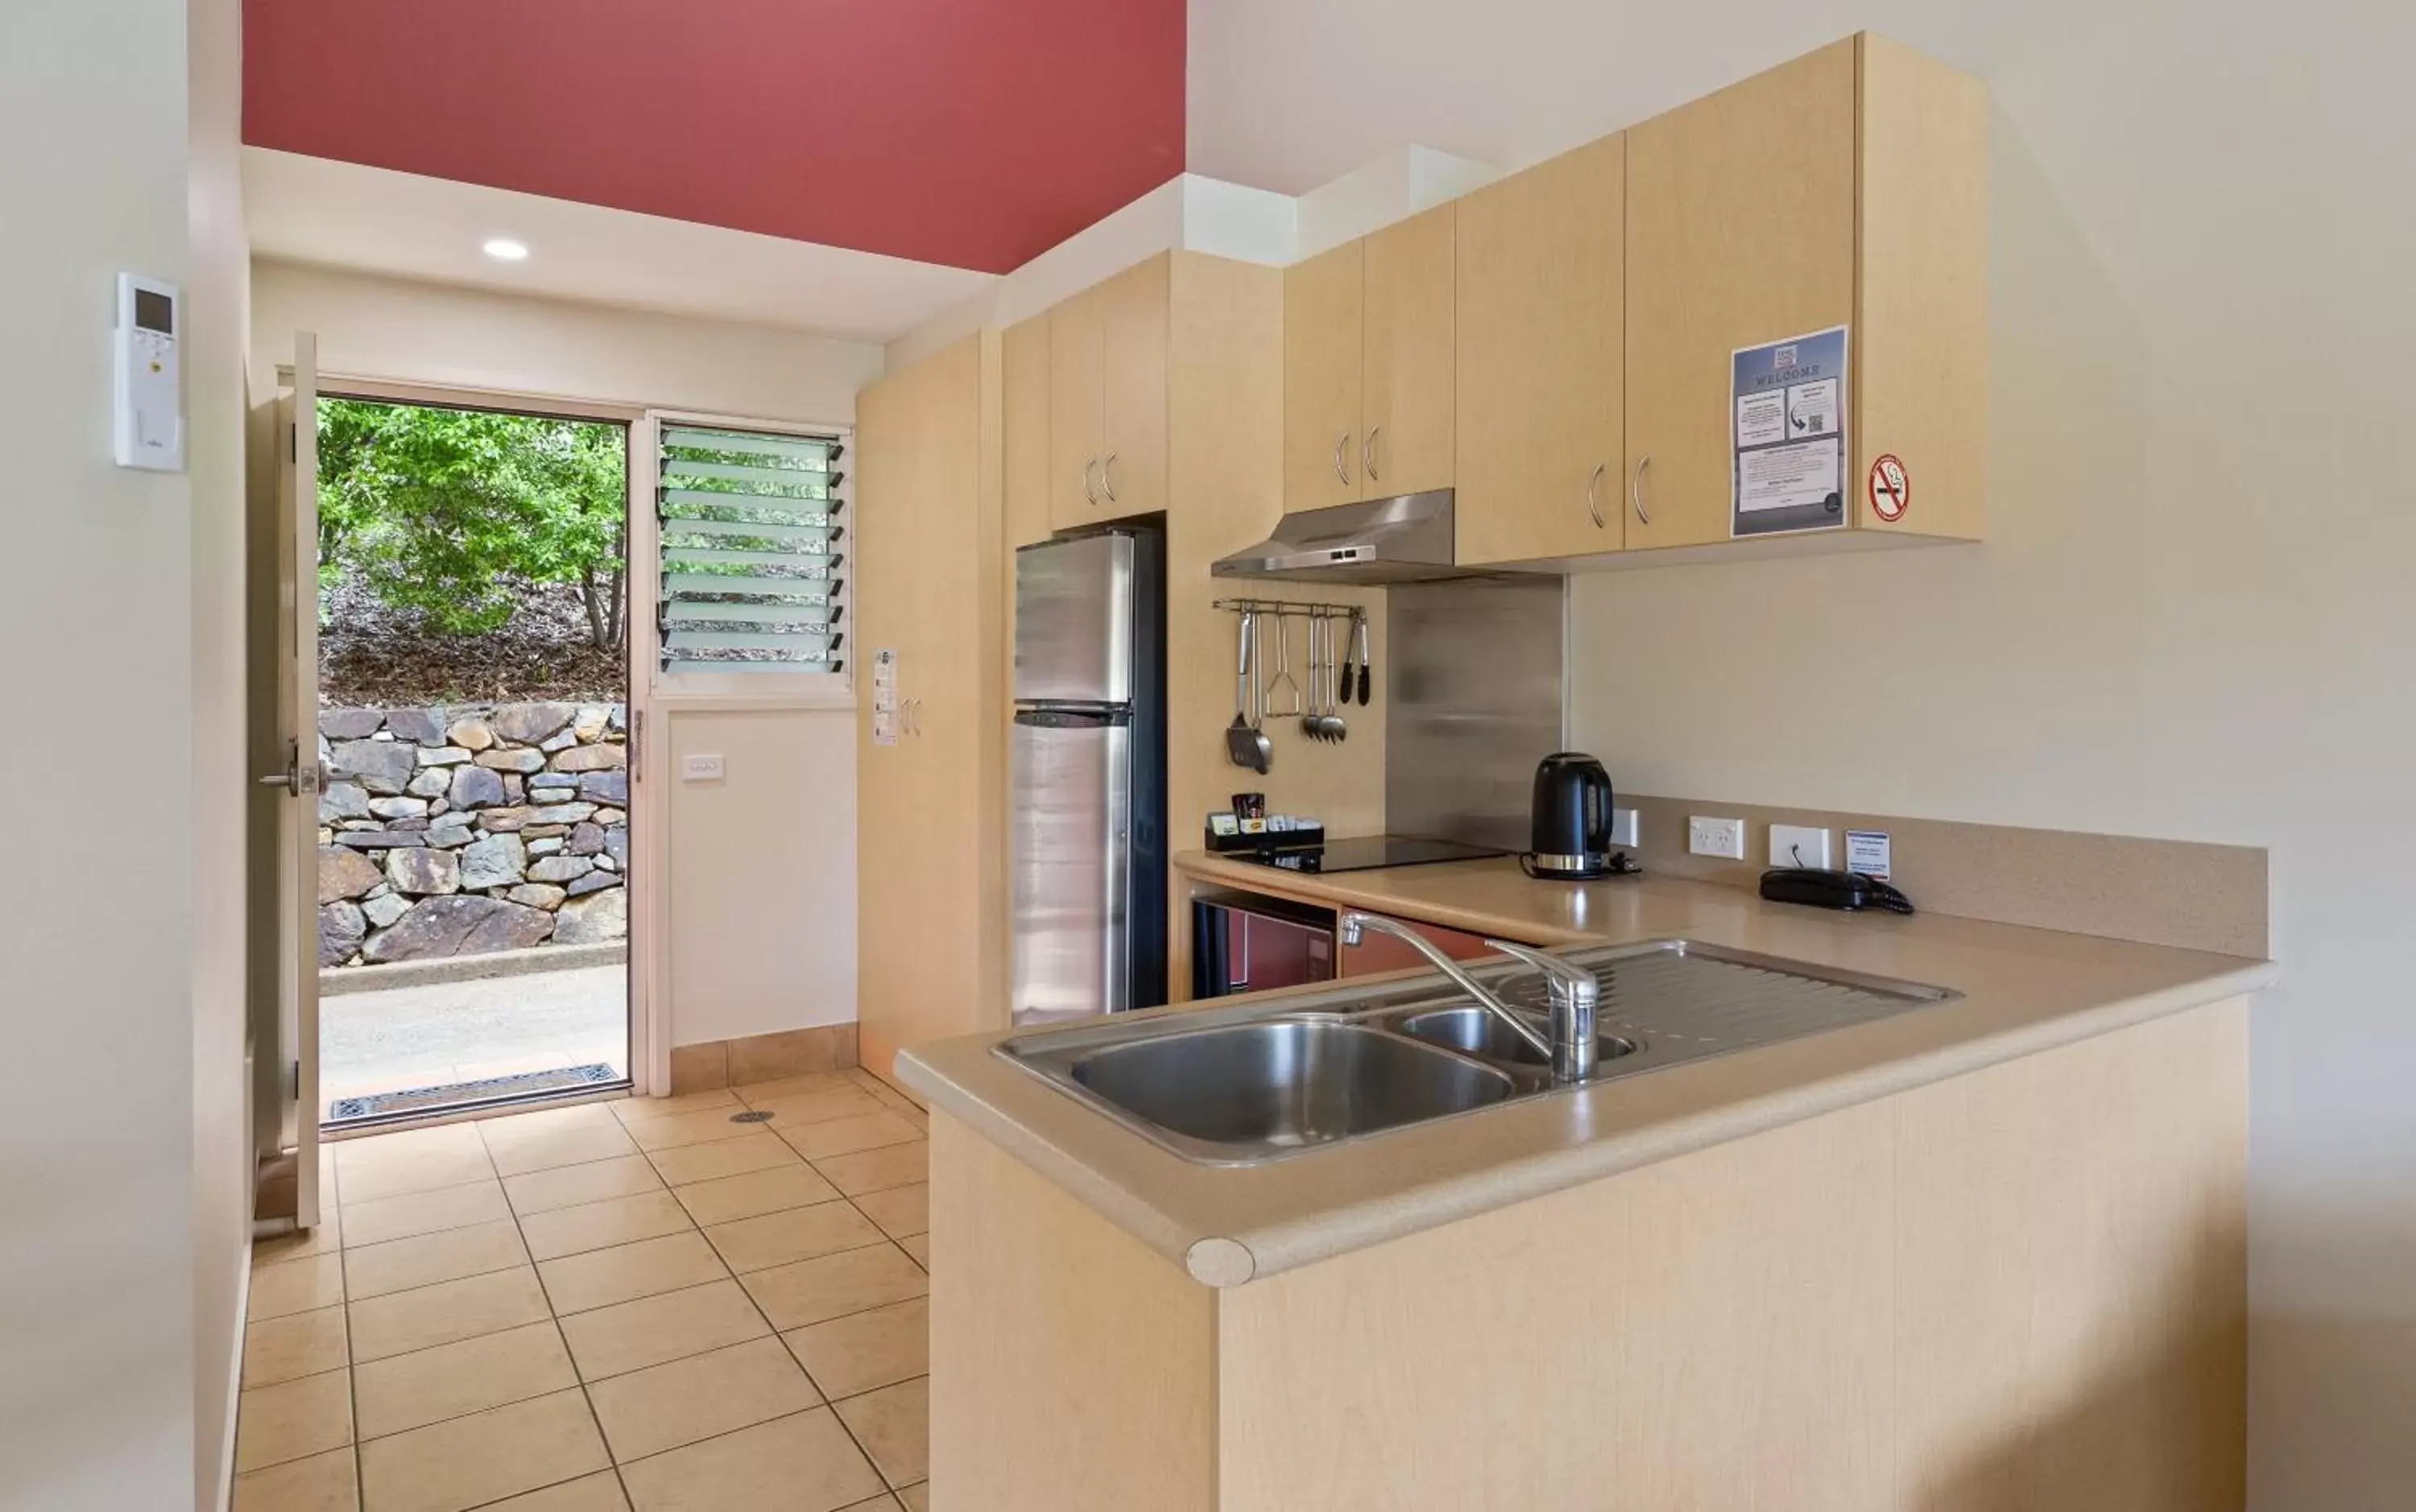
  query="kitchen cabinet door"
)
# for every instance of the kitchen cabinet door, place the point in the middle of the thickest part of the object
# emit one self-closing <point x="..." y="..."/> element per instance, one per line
<point x="1075" y="410"/>
<point x="1541" y="276"/>
<point x="1133" y="312"/>
<point x="1024" y="358"/>
<point x="1322" y="331"/>
<point x="1406" y="355"/>
<point x="1740" y="232"/>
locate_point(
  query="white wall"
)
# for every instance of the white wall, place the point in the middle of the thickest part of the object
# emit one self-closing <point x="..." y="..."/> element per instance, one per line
<point x="761" y="865"/>
<point x="2192" y="618"/>
<point x="121" y="1096"/>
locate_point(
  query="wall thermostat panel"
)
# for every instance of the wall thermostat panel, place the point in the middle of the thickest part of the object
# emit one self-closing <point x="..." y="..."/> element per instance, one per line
<point x="150" y="390"/>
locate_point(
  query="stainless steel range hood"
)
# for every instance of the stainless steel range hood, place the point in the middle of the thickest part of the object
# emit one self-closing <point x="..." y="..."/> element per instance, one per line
<point x="1405" y="539"/>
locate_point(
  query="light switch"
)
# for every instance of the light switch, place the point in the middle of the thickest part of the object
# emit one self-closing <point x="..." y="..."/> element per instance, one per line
<point x="701" y="769"/>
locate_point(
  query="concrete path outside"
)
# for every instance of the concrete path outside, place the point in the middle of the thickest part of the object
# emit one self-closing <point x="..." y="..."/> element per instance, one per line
<point x="398" y="1038"/>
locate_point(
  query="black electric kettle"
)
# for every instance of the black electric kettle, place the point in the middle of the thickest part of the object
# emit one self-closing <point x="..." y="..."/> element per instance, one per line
<point x="1570" y="839"/>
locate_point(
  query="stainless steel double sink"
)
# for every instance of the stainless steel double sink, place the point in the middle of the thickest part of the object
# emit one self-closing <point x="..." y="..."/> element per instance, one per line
<point x="1313" y="1070"/>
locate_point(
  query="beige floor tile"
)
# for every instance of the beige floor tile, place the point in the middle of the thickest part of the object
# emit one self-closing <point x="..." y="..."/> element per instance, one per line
<point x="876" y="1170"/>
<point x="601" y="1277"/>
<point x="322" y="1483"/>
<point x="408" y="1391"/>
<point x="918" y="1497"/>
<point x="919" y="1246"/>
<point x="352" y="1154"/>
<point x="900" y="1211"/>
<point x="877" y="1504"/>
<point x="833" y="1286"/>
<point x="447" y="1313"/>
<point x="893" y="1425"/>
<point x="917" y="1117"/>
<point x="292" y="1286"/>
<point x="424" y="1212"/>
<point x="802" y="1463"/>
<point x="728" y="1199"/>
<point x="756" y="1094"/>
<point x="293" y="1346"/>
<point x="404" y="1264"/>
<point x="408" y="1173"/>
<point x="514" y="1127"/>
<point x="325" y="1240"/>
<point x="686" y="1129"/>
<point x="844" y="1136"/>
<point x="568" y="1146"/>
<point x="647" y="1412"/>
<point x="654" y="1331"/>
<point x="599" y="1492"/>
<point x="568" y="1231"/>
<point x="794" y="1234"/>
<point x="757" y="1150"/>
<point x="864" y="1351"/>
<point x="639" y="1110"/>
<point x="569" y="1186"/>
<point x="469" y="1461"/>
<point x="819" y="1107"/>
<point x="294" y="1418"/>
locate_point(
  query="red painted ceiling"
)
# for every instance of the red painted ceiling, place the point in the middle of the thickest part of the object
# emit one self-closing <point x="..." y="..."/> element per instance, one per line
<point x="974" y="133"/>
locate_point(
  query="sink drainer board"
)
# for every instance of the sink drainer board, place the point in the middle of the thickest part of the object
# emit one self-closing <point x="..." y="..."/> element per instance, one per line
<point x="1353" y="1062"/>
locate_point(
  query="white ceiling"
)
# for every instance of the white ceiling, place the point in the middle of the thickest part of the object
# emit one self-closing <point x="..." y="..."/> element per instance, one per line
<point x="373" y="219"/>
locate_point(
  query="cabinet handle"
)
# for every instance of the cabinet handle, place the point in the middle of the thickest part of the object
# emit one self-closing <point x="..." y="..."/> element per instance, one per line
<point x="1367" y="453"/>
<point x="1636" y="491"/>
<point x="1088" y="492"/>
<point x="1341" y="443"/>
<point x="1593" y="507"/>
<point x="1107" y="477"/>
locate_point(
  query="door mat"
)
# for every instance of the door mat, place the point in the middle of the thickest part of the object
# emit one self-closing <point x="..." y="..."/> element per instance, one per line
<point x="421" y="1099"/>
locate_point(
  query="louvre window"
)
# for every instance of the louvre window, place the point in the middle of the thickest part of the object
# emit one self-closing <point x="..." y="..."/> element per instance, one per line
<point x="751" y="565"/>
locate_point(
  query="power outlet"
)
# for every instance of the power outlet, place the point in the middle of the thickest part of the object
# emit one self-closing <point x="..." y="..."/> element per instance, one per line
<point x="1623" y="827"/>
<point x="1797" y="845"/>
<point x="1716" y="837"/>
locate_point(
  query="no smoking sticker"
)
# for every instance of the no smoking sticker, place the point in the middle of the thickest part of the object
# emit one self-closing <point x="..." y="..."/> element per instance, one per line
<point x="1891" y="490"/>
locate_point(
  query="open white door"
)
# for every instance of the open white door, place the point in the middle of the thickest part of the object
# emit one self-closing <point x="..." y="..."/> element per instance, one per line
<point x="298" y="703"/>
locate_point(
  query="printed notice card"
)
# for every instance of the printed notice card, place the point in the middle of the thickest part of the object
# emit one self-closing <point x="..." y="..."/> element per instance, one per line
<point x="1787" y="468"/>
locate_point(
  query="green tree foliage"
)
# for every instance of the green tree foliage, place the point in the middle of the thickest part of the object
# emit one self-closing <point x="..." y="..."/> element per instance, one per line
<point x="451" y="512"/>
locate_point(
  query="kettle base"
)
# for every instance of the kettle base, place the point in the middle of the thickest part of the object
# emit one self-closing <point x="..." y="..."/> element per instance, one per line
<point x="1591" y="868"/>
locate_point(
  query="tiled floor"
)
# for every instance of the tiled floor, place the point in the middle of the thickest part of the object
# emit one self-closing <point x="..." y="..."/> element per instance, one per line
<point x="619" y="1307"/>
<point x="396" y="1038"/>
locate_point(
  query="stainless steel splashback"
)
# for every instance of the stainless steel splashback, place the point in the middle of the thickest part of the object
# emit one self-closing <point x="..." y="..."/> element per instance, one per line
<point x="1473" y="701"/>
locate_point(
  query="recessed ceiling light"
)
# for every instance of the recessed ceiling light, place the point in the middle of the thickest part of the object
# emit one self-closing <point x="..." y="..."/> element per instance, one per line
<point x="504" y="250"/>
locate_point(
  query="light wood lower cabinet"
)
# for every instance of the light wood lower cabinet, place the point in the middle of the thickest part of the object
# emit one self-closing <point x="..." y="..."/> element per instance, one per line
<point x="2023" y="1287"/>
<point x="930" y="807"/>
<point x="1377" y="953"/>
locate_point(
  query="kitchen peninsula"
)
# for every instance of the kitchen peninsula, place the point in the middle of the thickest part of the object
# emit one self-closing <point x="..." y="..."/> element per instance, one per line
<point x="1985" y="1251"/>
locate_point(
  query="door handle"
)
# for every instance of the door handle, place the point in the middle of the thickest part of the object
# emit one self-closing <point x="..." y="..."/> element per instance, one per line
<point x="1107" y="476"/>
<point x="296" y="779"/>
<point x="1341" y="443"/>
<point x="1367" y="454"/>
<point x="1593" y="506"/>
<point x="1636" y="491"/>
<point x="1088" y="492"/>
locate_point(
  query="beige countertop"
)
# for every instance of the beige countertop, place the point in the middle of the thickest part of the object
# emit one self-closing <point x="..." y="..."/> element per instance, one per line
<point x="2024" y="991"/>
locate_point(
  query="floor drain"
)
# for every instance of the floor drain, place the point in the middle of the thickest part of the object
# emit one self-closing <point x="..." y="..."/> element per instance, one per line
<point x="752" y="1116"/>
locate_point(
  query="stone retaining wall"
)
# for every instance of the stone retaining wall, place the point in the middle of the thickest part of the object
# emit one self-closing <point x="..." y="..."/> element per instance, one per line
<point x="477" y="828"/>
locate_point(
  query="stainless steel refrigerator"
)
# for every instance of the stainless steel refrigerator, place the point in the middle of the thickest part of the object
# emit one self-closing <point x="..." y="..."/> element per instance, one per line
<point x="1087" y="775"/>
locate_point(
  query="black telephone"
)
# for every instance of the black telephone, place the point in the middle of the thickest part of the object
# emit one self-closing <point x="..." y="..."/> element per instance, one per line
<point x="1824" y="889"/>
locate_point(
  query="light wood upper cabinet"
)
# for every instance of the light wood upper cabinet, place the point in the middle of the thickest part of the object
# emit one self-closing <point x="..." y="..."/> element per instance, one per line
<point x="1133" y="310"/>
<point x="1107" y="399"/>
<point x="1541" y="362"/>
<point x="1076" y="416"/>
<point x="1367" y="366"/>
<point x="1024" y="359"/>
<point x="1740" y="232"/>
<point x="1406" y="440"/>
<point x="1322" y="385"/>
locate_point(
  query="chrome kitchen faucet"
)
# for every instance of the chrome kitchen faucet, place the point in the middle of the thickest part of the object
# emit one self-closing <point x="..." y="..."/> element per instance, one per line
<point x="1574" y="994"/>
